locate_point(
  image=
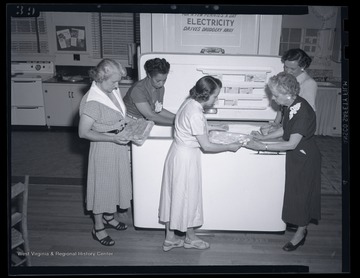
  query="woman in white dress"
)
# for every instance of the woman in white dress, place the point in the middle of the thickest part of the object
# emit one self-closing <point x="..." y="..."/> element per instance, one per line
<point x="181" y="193"/>
<point x="102" y="116"/>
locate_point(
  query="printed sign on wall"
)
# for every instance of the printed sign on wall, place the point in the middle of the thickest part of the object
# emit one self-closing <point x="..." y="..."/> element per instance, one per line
<point x="210" y="29"/>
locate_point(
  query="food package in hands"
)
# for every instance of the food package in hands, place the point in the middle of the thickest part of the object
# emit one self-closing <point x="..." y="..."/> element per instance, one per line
<point x="136" y="131"/>
<point x="224" y="137"/>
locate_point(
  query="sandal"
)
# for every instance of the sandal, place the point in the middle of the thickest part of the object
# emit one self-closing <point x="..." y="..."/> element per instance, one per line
<point x="168" y="245"/>
<point x="120" y="226"/>
<point x="197" y="244"/>
<point x="107" y="241"/>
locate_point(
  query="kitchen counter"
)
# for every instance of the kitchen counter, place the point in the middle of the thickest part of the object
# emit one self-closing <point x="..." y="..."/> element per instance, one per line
<point x="329" y="84"/>
<point x="58" y="80"/>
<point x="85" y="80"/>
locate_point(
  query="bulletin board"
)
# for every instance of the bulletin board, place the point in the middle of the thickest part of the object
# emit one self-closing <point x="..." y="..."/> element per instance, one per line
<point x="70" y="38"/>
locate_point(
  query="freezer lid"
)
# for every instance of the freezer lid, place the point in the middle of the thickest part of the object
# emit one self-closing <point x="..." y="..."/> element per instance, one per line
<point x="243" y="96"/>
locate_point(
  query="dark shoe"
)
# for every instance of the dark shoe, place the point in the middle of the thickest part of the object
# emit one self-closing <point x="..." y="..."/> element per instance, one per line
<point x="291" y="227"/>
<point x="120" y="226"/>
<point x="291" y="247"/>
<point x="107" y="241"/>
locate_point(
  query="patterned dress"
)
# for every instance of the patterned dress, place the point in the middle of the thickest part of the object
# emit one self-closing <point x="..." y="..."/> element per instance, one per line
<point x="181" y="191"/>
<point x="109" y="175"/>
<point x="302" y="199"/>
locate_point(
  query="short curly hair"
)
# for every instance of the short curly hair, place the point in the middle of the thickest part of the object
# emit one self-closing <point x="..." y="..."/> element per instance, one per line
<point x="156" y="66"/>
<point x="284" y="83"/>
<point x="204" y="88"/>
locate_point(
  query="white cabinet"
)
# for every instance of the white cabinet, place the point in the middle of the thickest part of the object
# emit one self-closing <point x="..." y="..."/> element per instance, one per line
<point x="197" y="33"/>
<point x="62" y="103"/>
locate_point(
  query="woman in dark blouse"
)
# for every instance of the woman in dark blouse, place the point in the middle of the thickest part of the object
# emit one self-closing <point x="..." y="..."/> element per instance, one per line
<point x="145" y="98"/>
<point x="302" y="201"/>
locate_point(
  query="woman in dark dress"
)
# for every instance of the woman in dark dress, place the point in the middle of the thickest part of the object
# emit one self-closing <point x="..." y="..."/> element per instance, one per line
<point x="303" y="159"/>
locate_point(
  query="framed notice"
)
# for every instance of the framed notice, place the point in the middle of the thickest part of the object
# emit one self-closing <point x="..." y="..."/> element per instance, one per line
<point x="210" y="29"/>
<point x="70" y="38"/>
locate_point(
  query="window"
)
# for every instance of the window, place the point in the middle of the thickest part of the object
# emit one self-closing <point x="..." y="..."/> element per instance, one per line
<point x="29" y="35"/>
<point x="112" y="32"/>
<point x="305" y="39"/>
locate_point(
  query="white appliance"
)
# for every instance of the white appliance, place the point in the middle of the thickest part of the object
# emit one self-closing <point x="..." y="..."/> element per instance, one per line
<point x="242" y="191"/>
<point x="27" y="100"/>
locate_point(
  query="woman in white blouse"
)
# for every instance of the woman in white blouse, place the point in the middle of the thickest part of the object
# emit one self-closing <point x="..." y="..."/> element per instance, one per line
<point x="181" y="196"/>
<point x="296" y="61"/>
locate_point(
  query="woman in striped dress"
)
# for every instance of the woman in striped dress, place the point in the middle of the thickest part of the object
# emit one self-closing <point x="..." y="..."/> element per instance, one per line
<point x="181" y="196"/>
<point x="102" y="112"/>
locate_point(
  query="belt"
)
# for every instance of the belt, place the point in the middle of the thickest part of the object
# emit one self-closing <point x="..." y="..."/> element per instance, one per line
<point x="116" y="131"/>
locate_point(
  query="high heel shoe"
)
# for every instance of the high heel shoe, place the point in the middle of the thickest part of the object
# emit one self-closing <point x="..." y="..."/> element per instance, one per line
<point x="107" y="241"/>
<point x="291" y="247"/>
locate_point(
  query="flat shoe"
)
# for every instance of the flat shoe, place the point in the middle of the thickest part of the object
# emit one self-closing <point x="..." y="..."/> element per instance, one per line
<point x="168" y="245"/>
<point x="197" y="244"/>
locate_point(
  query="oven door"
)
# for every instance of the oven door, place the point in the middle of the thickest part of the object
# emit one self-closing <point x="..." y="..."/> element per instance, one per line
<point x="26" y="92"/>
<point x="27" y="102"/>
<point x="29" y="115"/>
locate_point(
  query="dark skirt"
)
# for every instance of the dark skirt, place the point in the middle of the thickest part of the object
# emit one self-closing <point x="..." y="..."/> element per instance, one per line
<point x="302" y="198"/>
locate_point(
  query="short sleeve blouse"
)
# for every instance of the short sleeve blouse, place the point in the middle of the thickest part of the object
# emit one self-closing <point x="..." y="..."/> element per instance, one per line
<point x="189" y="123"/>
<point x="142" y="91"/>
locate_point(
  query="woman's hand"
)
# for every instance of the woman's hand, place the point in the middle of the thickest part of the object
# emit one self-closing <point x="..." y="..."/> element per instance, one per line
<point x="265" y="129"/>
<point x="234" y="147"/>
<point x="256" y="134"/>
<point x="255" y="145"/>
<point x="119" y="140"/>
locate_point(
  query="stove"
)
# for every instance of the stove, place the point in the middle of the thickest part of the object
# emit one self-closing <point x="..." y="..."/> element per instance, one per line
<point x="32" y="70"/>
<point x="27" y="100"/>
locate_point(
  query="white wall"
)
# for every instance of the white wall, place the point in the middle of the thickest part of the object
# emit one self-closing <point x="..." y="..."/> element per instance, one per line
<point x="182" y="33"/>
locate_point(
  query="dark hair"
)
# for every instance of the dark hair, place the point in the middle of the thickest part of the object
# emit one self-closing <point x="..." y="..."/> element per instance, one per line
<point x="155" y="66"/>
<point x="298" y="55"/>
<point x="105" y="69"/>
<point x="204" y="88"/>
<point x="284" y="83"/>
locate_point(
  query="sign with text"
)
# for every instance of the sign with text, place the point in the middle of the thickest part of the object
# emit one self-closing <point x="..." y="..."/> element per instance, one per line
<point x="210" y="29"/>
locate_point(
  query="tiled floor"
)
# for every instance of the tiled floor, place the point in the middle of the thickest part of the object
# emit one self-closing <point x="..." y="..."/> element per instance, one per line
<point x="62" y="155"/>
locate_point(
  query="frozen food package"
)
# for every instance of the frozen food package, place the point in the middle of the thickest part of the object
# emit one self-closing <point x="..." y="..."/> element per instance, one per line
<point x="136" y="131"/>
<point x="225" y="137"/>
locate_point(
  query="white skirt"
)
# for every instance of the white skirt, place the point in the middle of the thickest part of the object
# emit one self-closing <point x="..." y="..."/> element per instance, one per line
<point x="181" y="189"/>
